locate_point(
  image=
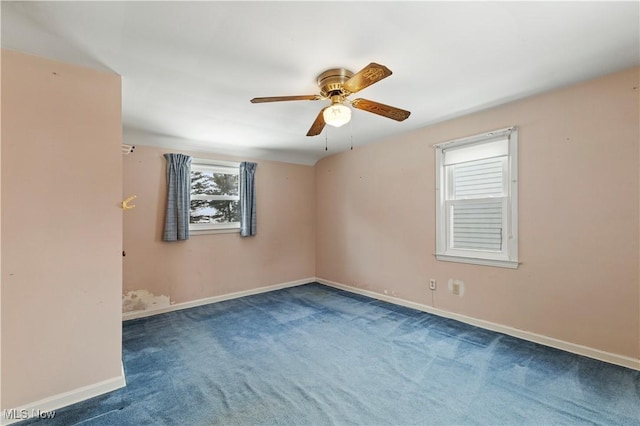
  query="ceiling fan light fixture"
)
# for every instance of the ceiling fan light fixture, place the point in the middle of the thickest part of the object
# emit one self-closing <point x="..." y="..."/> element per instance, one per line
<point x="337" y="115"/>
<point x="337" y="85"/>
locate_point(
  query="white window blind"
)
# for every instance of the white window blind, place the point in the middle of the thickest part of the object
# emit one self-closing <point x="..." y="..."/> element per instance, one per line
<point x="477" y="225"/>
<point x="482" y="178"/>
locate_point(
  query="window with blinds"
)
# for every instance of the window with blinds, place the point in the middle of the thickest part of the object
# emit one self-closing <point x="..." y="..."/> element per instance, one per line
<point x="476" y="197"/>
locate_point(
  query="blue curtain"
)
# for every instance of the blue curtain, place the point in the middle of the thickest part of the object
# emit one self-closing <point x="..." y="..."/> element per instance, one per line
<point x="247" y="199"/>
<point x="176" y="222"/>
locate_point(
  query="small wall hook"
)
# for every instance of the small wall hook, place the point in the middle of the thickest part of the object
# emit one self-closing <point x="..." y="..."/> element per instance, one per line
<point x="126" y="206"/>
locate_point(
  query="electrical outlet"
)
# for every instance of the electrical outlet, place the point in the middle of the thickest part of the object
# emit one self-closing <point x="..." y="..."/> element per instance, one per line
<point x="432" y="284"/>
<point x="455" y="289"/>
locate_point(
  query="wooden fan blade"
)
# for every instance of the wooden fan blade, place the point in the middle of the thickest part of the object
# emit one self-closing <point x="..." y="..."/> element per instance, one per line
<point x="368" y="75"/>
<point x="318" y="125"/>
<point x="381" y="109"/>
<point x="285" y="98"/>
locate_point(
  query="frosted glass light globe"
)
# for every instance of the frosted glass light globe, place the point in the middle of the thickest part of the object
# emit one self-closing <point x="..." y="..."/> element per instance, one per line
<point x="337" y="115"/>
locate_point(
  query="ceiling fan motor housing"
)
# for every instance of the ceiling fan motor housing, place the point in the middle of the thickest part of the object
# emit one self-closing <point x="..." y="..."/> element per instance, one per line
<point x="331" y="81"/>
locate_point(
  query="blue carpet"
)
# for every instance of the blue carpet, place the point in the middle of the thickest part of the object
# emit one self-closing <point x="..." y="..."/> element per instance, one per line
<point x="314" y="355"/>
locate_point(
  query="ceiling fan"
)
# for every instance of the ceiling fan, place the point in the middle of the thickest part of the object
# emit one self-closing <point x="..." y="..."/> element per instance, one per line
<point x="336" y="85"/>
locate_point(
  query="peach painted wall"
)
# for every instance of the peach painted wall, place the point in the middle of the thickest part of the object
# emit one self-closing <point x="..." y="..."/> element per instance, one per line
<point x="211" y="265"/>
<point x="578" y="212"/>
<point x="1" y="404"/>
<point x="61" y="228"/>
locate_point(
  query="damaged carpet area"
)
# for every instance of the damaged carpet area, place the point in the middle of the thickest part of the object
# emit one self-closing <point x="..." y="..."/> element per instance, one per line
<point x="314" y="355"/>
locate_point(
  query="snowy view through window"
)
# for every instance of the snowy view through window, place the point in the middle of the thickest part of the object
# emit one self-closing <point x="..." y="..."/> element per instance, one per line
<point x="214" y="197"/>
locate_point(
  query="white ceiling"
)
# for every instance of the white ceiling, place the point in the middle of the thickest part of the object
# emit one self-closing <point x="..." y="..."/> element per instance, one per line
<point x="189" y="69"/>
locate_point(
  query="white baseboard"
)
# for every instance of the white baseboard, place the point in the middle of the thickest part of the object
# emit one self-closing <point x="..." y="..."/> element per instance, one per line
<point x="48" y="406"/>
<point x="185" y="305"/>
<point x="608" y="357"/>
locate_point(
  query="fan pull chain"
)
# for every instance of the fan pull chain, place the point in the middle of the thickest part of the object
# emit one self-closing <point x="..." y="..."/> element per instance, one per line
<point x="351" y="129"/>
<point x="325" y="140"/>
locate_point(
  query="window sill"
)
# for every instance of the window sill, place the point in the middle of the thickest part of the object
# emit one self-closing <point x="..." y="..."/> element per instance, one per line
<point x="213" y="231"/>
<point x="511" y="264"/>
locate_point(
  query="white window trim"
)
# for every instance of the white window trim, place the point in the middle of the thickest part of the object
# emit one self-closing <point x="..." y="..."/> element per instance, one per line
<point x="510" y="258"/>
<point x="213" y="163"/>
<point x="219" y="228"/>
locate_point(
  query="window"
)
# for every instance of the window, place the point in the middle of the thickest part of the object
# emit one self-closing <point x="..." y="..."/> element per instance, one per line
<point x="215" y="197"/>
<point x="477" y="199"/>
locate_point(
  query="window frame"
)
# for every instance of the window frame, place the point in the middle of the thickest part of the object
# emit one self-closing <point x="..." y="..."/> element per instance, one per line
<point x="226" y="167"/>
<point x="508" y="256"/>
